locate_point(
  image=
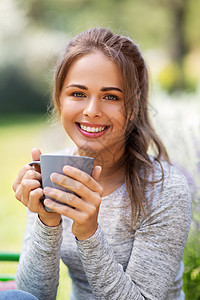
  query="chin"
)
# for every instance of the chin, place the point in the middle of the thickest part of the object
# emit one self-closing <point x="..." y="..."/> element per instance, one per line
<point x="90" y="150"/>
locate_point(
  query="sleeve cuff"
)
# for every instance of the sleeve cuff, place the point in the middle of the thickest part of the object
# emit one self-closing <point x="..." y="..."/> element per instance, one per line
<point x="46" y="237"/>
<point x="95" y="240"/>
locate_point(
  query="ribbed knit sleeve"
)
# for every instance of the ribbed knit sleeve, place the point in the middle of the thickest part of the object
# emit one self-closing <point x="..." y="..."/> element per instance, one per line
<point x="38" y="270"/>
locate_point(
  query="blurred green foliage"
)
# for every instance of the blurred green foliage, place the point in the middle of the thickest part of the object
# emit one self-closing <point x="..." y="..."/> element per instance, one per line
<point x="173" y="78"/>
<point x="191" y="277"/>
<point x="124" y="15"/>
<point x="191" y="257"/>
<point x="149" y="21"/>
<point x="19" y="94"/>
<point x="34" y="32"/>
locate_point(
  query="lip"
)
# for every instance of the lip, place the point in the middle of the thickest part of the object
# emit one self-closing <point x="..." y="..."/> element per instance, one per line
<point x="92" y="134"/>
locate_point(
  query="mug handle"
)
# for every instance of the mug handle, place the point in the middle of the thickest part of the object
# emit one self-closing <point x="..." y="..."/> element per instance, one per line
<point x="35" y="162"/>
<point x="38" y="163"/>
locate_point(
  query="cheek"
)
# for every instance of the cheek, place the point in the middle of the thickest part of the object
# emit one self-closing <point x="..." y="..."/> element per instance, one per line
<point x="120" y="118"/>
<point x="63" y="114"/>
<point x="65" y="117"/>
<point x="70" y="107"/>
<point x="66" y="109"/>
<point x="118" y="122"/>
<point x="69" y="112"/>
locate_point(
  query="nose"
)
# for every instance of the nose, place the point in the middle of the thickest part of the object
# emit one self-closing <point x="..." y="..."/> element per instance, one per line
<point x="92" y="108"/>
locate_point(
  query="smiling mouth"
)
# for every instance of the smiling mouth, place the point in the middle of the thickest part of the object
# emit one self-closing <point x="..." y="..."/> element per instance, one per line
<point x="92" y="129"/>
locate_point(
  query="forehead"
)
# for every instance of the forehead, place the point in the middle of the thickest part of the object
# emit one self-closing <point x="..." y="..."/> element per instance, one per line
<point x="94" y="67"/>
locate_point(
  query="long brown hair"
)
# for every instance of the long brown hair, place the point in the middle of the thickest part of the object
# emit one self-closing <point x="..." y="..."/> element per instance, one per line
<point x="139" y="133"/>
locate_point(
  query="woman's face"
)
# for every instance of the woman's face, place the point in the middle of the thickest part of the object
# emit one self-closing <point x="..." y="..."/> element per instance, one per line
<point x="92" y="105"/>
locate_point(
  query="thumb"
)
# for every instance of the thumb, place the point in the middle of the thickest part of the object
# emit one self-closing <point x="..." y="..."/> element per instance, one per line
<point x="36" y="154"/>
<point x="96" y="172"/>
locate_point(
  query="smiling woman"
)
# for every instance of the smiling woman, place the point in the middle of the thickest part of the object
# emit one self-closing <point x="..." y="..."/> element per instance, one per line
<point x="92" y="105"/>
<point x="123" y="235"/>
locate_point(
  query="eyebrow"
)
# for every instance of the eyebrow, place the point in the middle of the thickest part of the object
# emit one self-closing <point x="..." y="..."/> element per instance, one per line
<point x="110" y="88"/>
<point x="82" y="87"/>
<point x="103" y="89"/>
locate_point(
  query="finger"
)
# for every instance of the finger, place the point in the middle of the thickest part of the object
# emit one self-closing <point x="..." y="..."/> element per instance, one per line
<point x="24" y="189"/>
<point x="81" y="177"/>
<point x="34" y="203"/>
<point x="70" y="184"/>
<point x="81" y="189"/>
<point x="30" y="181"/>
<point x="32" y="174"/>
<point x="65" y="197"/>
<point x="31" y="178"/>
<point x="36" y="156"/>
<point x="96" y="172"/>
<point x="65" y="210"/>
<point x="20" y="176"/>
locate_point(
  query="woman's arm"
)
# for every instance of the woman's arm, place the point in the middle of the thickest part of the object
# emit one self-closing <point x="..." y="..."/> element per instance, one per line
<point x="157" y="249"/>
<point x="39" y="261"/>
<point x="38" y="270"/>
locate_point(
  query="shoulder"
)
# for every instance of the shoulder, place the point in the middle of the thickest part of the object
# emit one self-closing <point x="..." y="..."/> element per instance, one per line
<point x="171" y="175"/>
<point x="169" y="203"/>
<point x="172" y="193"/>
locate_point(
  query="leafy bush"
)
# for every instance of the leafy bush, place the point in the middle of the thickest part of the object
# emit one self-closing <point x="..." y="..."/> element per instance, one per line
<point x="191" y="277"/>
<point x="19" y="94"/>
<point x="191" y="258"/>
<point x="173" y="78"/>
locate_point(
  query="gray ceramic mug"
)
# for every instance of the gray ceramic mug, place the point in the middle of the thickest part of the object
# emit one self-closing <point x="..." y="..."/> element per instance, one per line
<point x="51" y="163"/>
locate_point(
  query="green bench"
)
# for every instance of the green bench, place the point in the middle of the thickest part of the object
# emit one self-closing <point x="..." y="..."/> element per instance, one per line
<point x="7" y="281"/>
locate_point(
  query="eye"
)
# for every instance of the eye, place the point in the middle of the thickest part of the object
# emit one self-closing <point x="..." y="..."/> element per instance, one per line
<point x="78" y="95"/>
<point x="111" y="97"/>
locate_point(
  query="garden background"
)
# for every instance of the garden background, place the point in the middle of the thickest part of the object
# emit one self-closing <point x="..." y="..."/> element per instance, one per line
<point x="34" y="32"/>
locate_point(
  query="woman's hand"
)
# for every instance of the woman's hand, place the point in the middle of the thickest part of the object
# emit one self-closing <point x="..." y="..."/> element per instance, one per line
<point x="27" y="188"/>
<point x="84" y="205"/>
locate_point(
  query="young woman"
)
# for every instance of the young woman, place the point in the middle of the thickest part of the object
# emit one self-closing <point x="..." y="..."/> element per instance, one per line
<point x="126" y="235"/>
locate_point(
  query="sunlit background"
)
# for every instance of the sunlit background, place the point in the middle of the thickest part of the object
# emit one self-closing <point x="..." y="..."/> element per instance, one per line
<point x="33" y="33"/>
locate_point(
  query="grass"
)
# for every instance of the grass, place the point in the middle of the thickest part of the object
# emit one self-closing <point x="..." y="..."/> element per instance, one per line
<point x="18" y="135"/>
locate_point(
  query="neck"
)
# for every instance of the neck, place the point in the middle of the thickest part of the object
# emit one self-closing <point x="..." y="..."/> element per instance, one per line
<point x="113" y="171"/>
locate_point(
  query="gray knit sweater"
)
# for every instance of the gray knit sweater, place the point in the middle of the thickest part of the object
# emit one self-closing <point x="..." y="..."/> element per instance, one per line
<point x="117" y="262"/>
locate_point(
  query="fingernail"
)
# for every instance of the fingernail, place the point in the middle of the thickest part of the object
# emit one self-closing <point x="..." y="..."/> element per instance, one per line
<point x="47" y="190"/>
<point x="55" y="176"/>
<point x="66" y="169"/>
<point x="47" y="202"/>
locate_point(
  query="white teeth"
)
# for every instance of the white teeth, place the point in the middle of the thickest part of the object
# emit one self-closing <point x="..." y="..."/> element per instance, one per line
<point x="92" y="129"/>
